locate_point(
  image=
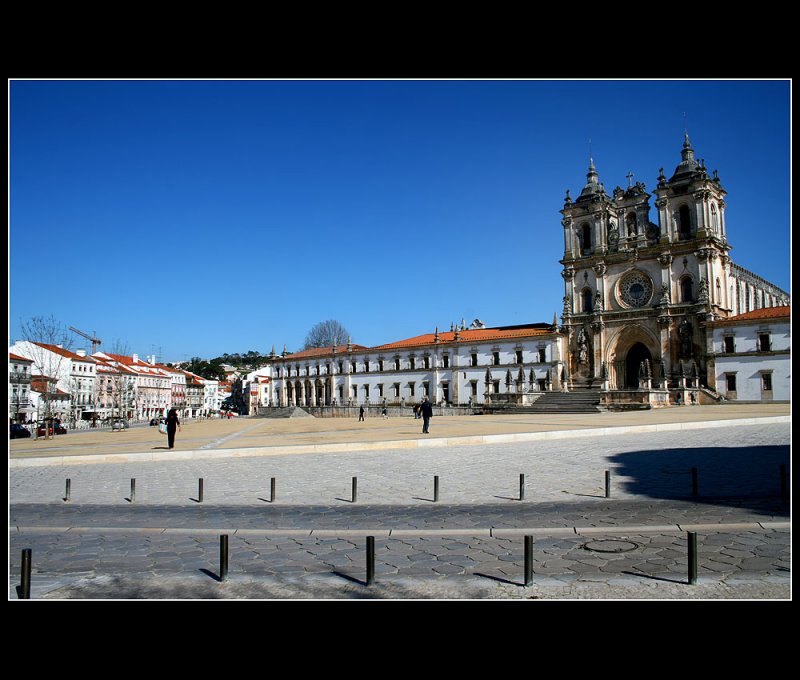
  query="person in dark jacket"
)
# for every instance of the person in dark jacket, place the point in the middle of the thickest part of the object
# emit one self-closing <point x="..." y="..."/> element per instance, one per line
<point x="361" y="414"/>
<point x="426" y="409"/>
<point x="173" y="424"/>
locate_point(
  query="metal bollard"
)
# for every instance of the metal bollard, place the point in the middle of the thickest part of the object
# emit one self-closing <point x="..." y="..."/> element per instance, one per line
<point x="522" y="487"/>
<point x="608" y="484"/>
<point x="133" y="489"/>
<point x="694" y="481"/>
<point x="68" y="491"/>
<point x="200" y="490"/>
<point x="370" y="560"/>
<point x="528" y="560"/>
<point x="436" y="488"/>
<point x="272" y="490"/>
<point x="355" y="490"/>
<point x="223" y="557"/>
<point x="692" y="539"/>
<point x="25" y="575"/>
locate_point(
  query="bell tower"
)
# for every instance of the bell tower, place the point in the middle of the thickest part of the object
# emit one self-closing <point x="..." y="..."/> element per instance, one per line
<point x="589" y="225"/>
<point x="691" y="211"/>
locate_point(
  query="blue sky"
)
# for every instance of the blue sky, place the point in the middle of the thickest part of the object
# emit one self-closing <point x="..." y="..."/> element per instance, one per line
<point x="198" y="217"/>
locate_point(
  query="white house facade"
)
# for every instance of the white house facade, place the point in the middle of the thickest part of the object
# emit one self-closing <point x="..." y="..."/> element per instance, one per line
<point x="751" y="355"/>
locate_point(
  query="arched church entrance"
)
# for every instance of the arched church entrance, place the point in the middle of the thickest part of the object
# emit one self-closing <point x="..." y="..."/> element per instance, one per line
<point x="633" y="361"/>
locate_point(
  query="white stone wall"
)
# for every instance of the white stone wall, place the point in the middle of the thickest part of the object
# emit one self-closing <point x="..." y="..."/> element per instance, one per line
<point x="458" y="377"/>
<point x="748" y="362"/>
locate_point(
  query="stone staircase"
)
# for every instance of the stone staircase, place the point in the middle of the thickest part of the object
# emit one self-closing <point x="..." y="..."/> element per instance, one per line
<point x="285" y="412"/>
<point x="578" y="400"/>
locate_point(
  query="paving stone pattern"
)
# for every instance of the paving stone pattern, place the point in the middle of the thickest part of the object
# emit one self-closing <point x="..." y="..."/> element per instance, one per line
<point x="313" y="531"/>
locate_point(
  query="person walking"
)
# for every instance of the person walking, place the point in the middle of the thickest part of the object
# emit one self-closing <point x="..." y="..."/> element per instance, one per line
<point x="173" y="424"/>
<point x="360" y="414"/>
<point x="426" y="409"/>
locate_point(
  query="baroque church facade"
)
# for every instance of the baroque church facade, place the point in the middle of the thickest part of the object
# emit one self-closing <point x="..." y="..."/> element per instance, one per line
<point x="640" y="305"/>
<point x="640" y="295"/>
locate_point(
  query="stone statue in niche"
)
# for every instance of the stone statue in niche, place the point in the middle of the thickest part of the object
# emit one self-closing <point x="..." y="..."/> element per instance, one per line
<point x="583" y="347"/>
<point x="632" y="225"/>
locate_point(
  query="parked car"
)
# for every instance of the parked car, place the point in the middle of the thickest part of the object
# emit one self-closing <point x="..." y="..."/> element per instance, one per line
<point x="119" y="425"/>
<point x="17" y="431"/>
<point x="52" y="428"/>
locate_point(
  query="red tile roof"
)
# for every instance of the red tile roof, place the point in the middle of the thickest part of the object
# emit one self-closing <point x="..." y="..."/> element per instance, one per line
<point x="63" y="352"/>
<point x="40" y="384"/>
<point x="321" y="351"/>
<point x="470" y="335"/>
<point x="759" y="314"/>
<point x="16" y="357"/>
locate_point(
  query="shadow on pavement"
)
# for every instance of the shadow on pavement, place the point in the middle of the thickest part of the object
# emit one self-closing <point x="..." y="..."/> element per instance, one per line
<point x="740" y="476"/>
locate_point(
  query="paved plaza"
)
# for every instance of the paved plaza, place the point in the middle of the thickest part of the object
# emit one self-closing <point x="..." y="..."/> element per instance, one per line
<point x="609" y="501"/>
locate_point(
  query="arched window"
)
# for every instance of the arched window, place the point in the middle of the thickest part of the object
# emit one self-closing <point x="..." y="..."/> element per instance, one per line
<point x="686" y="289"/>
<point x="714" y="218"/>
<point x="684" y="223"/>
<point x="586" y="237"/>
<point x="586" y="295"/>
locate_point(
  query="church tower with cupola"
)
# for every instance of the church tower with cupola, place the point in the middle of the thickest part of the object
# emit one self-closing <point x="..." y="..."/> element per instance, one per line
<point x="638" y="294"/>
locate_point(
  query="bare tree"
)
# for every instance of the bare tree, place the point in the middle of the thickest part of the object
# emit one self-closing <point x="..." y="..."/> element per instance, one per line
<point x="40" y="336"/>
<point x="326" y="334"/>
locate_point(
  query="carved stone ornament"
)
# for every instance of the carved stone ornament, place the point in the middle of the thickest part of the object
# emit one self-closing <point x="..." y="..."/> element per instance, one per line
<point x="702" y="295"/>
<point x="664" y="294"/>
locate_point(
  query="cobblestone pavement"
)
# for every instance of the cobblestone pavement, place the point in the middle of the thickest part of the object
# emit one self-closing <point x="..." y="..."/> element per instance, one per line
<point x="309" y="541"/>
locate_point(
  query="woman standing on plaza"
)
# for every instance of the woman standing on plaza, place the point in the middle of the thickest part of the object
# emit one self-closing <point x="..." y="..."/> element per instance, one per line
<point x="172" y="424"/>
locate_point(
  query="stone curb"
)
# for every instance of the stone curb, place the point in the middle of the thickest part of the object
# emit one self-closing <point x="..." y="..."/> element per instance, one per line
<point x="410" y="533"/>
<point x="351" y="447"/>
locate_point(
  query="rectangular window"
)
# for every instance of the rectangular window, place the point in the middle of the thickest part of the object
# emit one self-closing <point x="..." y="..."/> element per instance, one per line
<point x="412" y="363"/>
<point x="763" y="342"/>
<point x="473" y="358"/>
<point x="397" y="364"/>
<point x="353" y="366"/>
<point x="446" y="360"/>
<point x="766" y="382"/>
<point x="729" y="347"/>
<point x="366" y="391"/>
<point x="730" y="382"/>
<point x="411" y="389"/>
<point x="426" y="362"/>
<point x="396" y="390"/>
<point x="380" y="390"/>
<point x="366" y="366"/>
<point x="474" y="387"/>
<point x="496" y="358"/>
<point x="519" y="356"/>
<point x="426" y="390"/>
<point x="380" y="365"/>
<point x="542" y="356"/>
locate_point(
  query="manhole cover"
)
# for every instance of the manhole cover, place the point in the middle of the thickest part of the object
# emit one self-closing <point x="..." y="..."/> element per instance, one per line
<point x="610" y="546"/>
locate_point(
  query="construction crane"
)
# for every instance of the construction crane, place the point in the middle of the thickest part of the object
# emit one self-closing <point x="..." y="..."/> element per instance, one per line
<point x="94" y="340"/>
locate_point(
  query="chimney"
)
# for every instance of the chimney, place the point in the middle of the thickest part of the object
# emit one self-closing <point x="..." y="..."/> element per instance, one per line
<point x="135" y="358"/>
